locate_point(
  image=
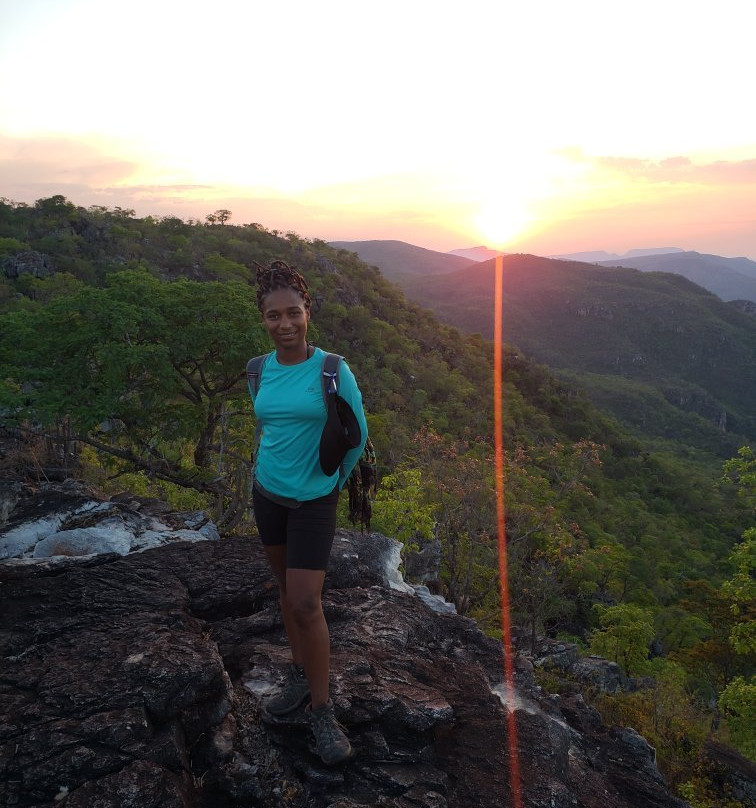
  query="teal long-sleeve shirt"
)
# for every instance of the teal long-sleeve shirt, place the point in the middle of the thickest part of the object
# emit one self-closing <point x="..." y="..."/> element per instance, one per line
<point x="289" y="405"/>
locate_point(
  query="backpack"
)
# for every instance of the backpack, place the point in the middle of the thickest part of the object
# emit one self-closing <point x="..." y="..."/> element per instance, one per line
<point x="334" y="429"/>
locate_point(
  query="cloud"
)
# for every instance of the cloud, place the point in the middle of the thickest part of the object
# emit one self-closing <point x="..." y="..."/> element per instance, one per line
<point x="86" y="172"/>
<point x="60" y="160"/>
<point x="677" y="170"/>
<point x="407" y="206"/>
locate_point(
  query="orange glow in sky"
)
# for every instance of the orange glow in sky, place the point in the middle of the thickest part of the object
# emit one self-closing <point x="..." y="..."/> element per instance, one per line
<point x="544" y="127"/>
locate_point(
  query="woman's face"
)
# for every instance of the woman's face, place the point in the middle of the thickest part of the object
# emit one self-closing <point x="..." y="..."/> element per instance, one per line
<point x="285" y="317"/>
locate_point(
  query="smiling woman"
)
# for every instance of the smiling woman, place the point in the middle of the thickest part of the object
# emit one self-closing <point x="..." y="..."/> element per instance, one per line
<point x="295" y="497"/>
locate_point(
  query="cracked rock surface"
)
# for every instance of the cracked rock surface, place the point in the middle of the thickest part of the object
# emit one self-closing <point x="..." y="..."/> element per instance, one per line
<point x="137" y="681"/>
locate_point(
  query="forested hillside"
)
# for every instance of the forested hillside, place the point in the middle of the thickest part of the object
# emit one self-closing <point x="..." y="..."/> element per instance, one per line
<point x="123" y="342"/>
<point x="662" y="354"/>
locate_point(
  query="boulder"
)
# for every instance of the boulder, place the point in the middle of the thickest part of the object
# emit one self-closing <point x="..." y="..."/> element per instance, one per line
<point x="138" y="680"/>
<point x="424" y="565"/>
<point x="70" y="520"/>
<point x="27" y="262"/>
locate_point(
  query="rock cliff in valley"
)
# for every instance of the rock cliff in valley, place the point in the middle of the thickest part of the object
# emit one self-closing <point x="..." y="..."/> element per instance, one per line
<point x="137" y="680"/>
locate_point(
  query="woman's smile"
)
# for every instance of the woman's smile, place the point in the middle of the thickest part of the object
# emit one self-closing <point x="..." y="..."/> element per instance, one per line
<point x="285" y="317"/>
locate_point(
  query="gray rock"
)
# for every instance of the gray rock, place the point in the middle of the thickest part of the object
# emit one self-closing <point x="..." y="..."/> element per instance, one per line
<point x="424" y="565"/>
<point x="70" y="521"/>
<point x="436" y="602"/>
<point x="557" y="656"/>
<point x="84" y="541"/>
<point x="10" y="493"/>
<point x="601" y="674"/>
<point x="737" y="773"/>
<point x="27" y="262"/>
<point x="359" y="559"/>
<point x="138" y="680"/>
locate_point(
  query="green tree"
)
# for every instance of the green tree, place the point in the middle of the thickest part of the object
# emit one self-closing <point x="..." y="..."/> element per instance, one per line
<point x="624" y="636"/>
<point x="741" y="470"/>
<point x="400" y="510"/>
<point x="542" y="486"/>
<point x="219" y="217"/>
<point x="738" y="700"/>
<point x="144" y="371"/>
<point x="740" y="591"/>
<point x="11" y="246"/>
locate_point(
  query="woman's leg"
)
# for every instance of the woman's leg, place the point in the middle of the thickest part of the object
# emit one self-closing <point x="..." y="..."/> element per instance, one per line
<point x="310" y="531"/>
<point x="305" y="610"/>
<point x="272" y="524"/>
<point x="276" y="555"/>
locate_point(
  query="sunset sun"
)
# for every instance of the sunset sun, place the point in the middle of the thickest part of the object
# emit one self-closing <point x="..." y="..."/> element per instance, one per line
<point x="503" y="221"/>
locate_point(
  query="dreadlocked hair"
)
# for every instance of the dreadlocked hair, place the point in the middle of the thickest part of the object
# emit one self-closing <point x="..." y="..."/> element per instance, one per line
<point x="279" y="275"/>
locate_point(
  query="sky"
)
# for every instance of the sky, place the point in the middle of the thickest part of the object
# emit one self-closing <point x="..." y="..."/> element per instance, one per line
<point x="545" y="127"/>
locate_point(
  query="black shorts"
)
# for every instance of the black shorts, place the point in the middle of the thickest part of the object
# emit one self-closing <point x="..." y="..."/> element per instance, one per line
<point x="307" y="531"/>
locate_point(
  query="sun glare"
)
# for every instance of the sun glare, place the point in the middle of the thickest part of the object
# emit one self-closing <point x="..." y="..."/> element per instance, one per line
<point x="503" y="221"/>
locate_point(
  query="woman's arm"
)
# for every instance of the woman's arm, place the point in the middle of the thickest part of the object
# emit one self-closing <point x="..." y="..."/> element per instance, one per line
<point x="349" y="391"/>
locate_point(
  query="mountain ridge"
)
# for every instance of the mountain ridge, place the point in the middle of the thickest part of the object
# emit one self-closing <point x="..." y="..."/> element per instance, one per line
<point x="603" y="255"/>
<point x="483" y="253"/>
<point x="404" y="258"/>
<point x="659" y="330"/>
<point x="638" y="314"/>
<point x="729" y="278"/>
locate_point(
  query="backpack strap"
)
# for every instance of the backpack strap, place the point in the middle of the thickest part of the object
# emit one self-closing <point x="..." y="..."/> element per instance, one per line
<point x="254" y="371"/>
<point x="330" y="377"/>
<point x="254" y="374"/>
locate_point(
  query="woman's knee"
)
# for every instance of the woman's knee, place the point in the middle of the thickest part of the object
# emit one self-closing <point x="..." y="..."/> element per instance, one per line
<point x="305" y="609"/>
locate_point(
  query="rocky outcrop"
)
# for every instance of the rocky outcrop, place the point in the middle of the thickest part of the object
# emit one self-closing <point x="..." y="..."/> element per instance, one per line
<point x="63" y="521"/>
<point x="746" y="306"/>
<point x="734" y="774"/>
<point x="137" y="680"/>
<point x="590" y="673"/>
<point x="27" y="262"/>
<point x="593" y="672"/>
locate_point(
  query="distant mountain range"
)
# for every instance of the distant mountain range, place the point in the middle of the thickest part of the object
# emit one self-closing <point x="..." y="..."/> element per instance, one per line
<point x="728" y="278"/>
<point x="656" y="350"/>
<point x="602" y="255"/>
<point x="476" y="253"/>
<point x="485" y="254"/>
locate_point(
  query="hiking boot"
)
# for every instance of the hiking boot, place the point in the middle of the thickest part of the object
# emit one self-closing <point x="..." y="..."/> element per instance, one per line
<point x="294" y="695"/>
<point x="331" y="742"/>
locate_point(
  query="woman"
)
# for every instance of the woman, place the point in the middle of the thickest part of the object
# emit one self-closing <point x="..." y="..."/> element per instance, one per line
<point x="294" y="501"/>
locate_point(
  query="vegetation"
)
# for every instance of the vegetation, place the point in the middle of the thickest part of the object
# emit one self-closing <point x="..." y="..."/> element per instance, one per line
<point x="123" y="342"/>
<point x="667" y="358"/>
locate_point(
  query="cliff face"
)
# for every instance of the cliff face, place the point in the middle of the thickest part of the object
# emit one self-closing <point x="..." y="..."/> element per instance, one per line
<point x="137" y="681"/>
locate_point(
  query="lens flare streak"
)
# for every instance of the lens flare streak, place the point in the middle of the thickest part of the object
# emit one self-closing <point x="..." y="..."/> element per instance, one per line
<point x="506" y="628"/>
